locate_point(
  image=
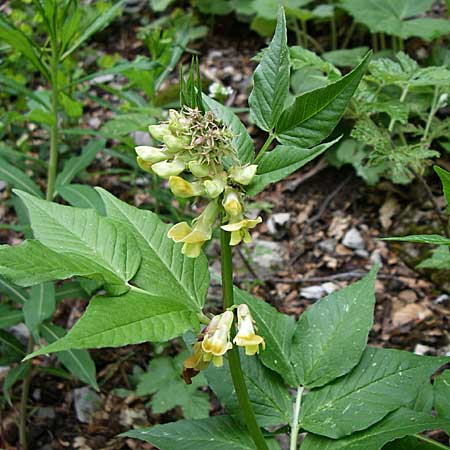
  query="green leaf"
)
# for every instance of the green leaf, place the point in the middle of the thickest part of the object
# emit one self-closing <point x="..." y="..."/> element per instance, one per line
<point x="164" y="268"/>
<point x="39" y="307"/>
<point x="383" y="381"/>
<point x="439" y="259"/>
<point x="124" y="124"/>
<point x="214" y="433"/>
<point x="242" y="142"/>
<point x="163" y="381"/>
<point x="271" y="80"/>
<point x="331" y="335"/>
<point x="385" y="16"/>
<point x="78" y="362"/>
<point x="99" y="22"/>
<point x="277" y="330"/>
<point x="281" y="162"/>
<point x="71" y="289"/>
<point x="82" y="196"/>
<point x="77" y="164"/>
<point x="268" y="394"/>
<point x="14" y="375"/>
<point x="132" y="318"/>
<point x="433" y="239"/>
<point x="411" y="443"/>
<point x="20" y="42"/>
<point x="442" y="395"/>
<point x="11" y="350"/>
<point x="444" y="175"/>
<point x="14" y="292"/>
<point x="18" y="179"/>
<point x="32" y="263"/>
<point x="400" y="423"/>
<point x="83" y="234"/>
<point x="314" y="114"/>
<point x="9" y="316"/>
<point x="346" y="57"/>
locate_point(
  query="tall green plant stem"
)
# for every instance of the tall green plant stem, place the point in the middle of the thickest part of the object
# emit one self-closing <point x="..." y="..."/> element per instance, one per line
<point x="233" y="358"/>
<point x="51" y="177"/>
<point x="433" y="110"/>
<point x="295" y="418"/>
<point x="402" y="99"/>
<point x="264" y="148"/>
<point x="53" y="162"/>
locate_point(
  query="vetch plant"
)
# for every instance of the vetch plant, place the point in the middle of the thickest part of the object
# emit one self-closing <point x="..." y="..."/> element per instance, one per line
<point x="155" y="279"/>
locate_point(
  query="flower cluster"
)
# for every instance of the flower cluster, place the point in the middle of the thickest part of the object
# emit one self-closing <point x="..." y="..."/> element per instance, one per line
<point x="215" y="340"/>
<point x="198" y="160"/>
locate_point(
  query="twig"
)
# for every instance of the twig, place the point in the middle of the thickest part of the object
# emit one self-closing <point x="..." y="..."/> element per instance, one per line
<point x="337" y="276"/>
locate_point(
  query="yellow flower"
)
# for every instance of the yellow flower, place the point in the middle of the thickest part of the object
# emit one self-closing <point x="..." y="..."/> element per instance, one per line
<point x="217" y="341"/>
<point x="243" y="175"/>
<point x="214" y="187"/>
<point x="184" y="189"/>
<point x="150" y="155"/>
<point x="246" y="336"/>
<point x="194" y="238"/>
<point x="232" y="203"/>
<point x="239" y="230"/>
<point x="167" y="169"/>
<point x="144" y="165"/>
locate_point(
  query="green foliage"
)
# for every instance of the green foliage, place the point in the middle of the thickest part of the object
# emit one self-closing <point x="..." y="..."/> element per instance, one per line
<point x="398" y="17"/>
<point x="162" y="380"/>
<point x="400" y="423"/>
<point x="214" y="433"/>
<point x="338" y="337"/>
<point x="442" y="396"/>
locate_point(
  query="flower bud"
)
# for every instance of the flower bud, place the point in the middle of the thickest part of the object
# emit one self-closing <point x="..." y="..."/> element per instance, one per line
<point x="167" y="169"/>
<point x="175" y="144"/>
<point x="214" y="187"/>
<point x="243" y="175"/>
<point x="198" y="170"/>
<point x="150" y="155"/>
<point x="158" y="131"/>
<point x="246" y="336"/>
<point x="232" y="204"/>
<point x="184" y="189"/>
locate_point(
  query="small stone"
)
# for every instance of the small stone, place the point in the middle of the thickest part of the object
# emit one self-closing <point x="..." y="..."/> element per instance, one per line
<point x="353" y="239"/>
<point x="375" y="257"/>
<point x="20" y="332"/>
<point x="133" y="417"/>
<point x="443" y="298"/>
<point x="267" y="254"/>
<point x="277" y="221"/>
<point x="328" y="245"/>
<point x="102" y="79"/>
<point x="86" y="402"/>
<point x="141" y="138"/>
<point x="46" y="412"/>
<point x="420" y="349"/>
<point x="313" y="292"/>
<point x="94" y="122"/>
<point x="2" y="186"/>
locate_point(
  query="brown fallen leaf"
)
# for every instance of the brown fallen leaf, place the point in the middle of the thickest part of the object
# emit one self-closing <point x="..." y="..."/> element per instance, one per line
<point x="409" y="313"/>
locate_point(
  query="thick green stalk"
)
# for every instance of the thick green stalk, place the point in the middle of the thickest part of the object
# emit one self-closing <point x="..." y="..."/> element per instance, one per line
<point x="233" y="355"/>
<point x="53" y="162"/>
<point x="295" y="418"/>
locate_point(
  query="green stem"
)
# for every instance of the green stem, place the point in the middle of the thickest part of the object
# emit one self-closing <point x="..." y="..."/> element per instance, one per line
<point x="233" y="358"/>
<point x="24" y="401"/>
<point x="432" y="113"/>
<point x="349" y="35"/>
<point x="383" y="41"/>
<point x="264" y="148"/>
<point x="334" y="38"/>
<point x="402" y="99"/>
<point x="295" y="418"/>
<point x="53" y="163"/>
<point x="430" y="441"/>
